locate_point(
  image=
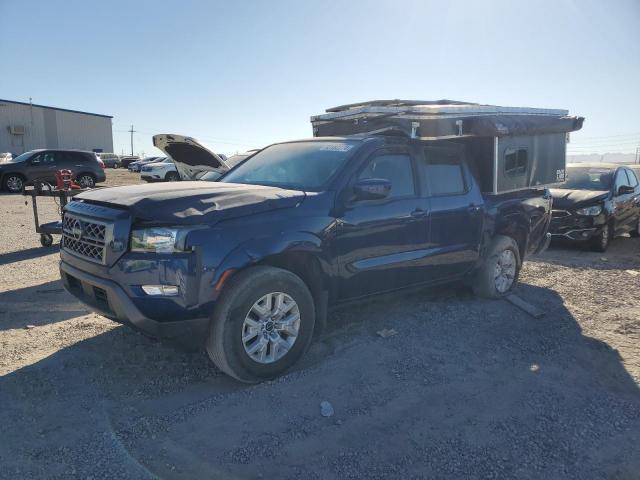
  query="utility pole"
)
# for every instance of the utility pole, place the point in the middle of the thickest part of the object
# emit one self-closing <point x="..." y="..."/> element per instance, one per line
<point x="132" y="131"/>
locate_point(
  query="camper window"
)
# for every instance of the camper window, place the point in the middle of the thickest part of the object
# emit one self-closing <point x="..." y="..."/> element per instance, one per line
<point x="515" y="161"/>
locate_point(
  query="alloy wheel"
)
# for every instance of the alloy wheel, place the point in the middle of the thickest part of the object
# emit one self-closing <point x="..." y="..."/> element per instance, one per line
<point x="505" y="271"/>
<point x="271" y="327"/>
<point x="86" y="181"/>
<point x="14" y="183"/>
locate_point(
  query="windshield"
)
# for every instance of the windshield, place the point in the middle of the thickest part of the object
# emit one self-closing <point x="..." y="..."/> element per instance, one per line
<point x="21" y="158"/>
<point x="233" y="160"/>
<point x="298" y="165"/>
<point x="588" y="178"/>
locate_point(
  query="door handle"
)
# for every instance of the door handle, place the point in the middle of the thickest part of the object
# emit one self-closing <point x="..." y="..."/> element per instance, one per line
<point x="418" y="212"/>
<point x="473" y="209"/>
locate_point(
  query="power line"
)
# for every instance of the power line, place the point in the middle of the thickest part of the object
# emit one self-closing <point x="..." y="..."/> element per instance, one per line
<point x="132" y="131"/>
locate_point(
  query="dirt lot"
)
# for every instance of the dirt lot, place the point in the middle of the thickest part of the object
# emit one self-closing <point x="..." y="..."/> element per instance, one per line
<point x="466" y="389"/>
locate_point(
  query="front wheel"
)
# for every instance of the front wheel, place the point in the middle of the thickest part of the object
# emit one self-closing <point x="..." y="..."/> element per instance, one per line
<point x="262" y="324"/>
<point x="600" y="242"/>
<point x="14" y="183"/>
<point x="499" y="272"/>
<point x="636" y="231"/>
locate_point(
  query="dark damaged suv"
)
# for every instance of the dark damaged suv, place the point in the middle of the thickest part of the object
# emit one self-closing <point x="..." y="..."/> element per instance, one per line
<point x="249" y="265"/>
<point x="597" y="202"/>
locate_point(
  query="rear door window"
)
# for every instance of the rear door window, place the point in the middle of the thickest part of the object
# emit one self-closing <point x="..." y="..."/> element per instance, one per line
<point x="441" y="171"/>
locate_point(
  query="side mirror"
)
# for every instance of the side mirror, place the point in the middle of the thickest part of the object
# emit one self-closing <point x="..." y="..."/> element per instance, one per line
<point x="624" y="189"/>
<point x="372" y="189"/>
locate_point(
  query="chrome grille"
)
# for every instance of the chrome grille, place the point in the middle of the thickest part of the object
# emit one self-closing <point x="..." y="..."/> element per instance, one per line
<point x="83" y="237"/>
<point x="559" y="213"/>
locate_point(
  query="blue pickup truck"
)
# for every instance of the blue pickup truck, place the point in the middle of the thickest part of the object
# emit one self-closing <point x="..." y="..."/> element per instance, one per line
<point x="248" y="266"/>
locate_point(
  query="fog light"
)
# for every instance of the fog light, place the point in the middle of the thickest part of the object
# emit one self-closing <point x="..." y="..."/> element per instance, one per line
<point x="160" y="290"/>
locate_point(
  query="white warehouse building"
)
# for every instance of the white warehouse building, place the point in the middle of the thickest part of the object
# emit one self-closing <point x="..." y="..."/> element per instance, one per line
<point x="27" y="126"/>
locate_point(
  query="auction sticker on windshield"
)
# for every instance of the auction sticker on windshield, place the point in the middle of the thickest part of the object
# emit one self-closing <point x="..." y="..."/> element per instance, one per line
<point x="336" y="147"/>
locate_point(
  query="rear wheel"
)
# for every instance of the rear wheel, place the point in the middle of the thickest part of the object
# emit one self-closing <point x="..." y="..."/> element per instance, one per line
<point x="172" y="177"/>
<point x="499" y="272"/>
<point x="14" y="183"/>
<point x="601" y="241"/>
<point x="262" y="324"/>
<point x="86" y="180"/>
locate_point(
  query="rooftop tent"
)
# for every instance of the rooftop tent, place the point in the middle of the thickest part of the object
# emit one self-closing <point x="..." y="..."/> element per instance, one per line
<point x="511" y="148"/>
<point x="430" y="120"/>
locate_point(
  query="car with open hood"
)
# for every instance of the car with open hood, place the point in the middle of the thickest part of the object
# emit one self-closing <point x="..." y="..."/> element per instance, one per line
<point x="190" y="159"/>
<point x="597" y="202"/>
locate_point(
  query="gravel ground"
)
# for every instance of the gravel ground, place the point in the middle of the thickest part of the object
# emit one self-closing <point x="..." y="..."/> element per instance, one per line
<point x="466" y="389"/>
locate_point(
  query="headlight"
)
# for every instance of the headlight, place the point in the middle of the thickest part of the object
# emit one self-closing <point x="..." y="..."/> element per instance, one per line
<point x="158" y="240"/>
<point x="591" y="211"/>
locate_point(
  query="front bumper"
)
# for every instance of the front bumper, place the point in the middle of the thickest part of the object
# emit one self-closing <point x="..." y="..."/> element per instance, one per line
<point x="110" y="300"/>
<point x="566" y="225"/>
<point x="576" y="235"/>
<point x="150" y="177"/>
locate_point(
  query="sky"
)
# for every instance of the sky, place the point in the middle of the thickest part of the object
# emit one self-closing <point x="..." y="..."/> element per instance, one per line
<point x="246" y="73"/>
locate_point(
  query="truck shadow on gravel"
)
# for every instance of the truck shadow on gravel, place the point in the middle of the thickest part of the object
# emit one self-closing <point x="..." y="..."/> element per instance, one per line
<point x="465" y="389"/>
<point x="27" y="254"/>
<point x="38" y="305"/>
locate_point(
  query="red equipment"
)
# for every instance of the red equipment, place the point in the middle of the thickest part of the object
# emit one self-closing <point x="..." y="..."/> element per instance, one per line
<point x="64" y="180"/>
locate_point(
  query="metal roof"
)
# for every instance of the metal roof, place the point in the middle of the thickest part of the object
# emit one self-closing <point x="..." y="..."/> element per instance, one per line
<point x="55" y="108"/>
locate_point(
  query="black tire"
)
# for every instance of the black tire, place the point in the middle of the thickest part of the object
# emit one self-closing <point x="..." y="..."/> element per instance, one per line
<point x="46" y="240"/>
<point x="636" y="231"/>
<point x="601" y="241"/>
<point x="485" y="283"/>
<point x="225" y="344"/>
<point x="172" y="177"/>
<point x="86" y="180"/>
<point x="13" y="183"/>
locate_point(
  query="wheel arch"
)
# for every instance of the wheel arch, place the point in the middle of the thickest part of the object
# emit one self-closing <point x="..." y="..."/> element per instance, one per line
<point x="301" y="256"/>
<point x="516" y="227"/>
<point x="82" y="173"/>
<point x="3" y="177"/>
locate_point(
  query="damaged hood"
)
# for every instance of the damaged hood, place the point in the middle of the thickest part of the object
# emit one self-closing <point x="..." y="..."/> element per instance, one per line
<point x="189" y="203"/>
<point x="568" y="199"/>
<point x="192" y="159"/>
